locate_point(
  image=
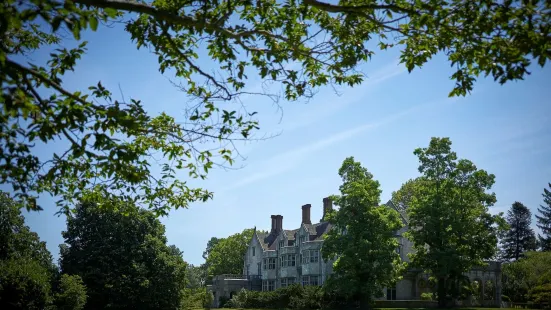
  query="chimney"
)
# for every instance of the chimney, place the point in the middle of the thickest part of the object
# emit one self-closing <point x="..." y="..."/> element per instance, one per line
<point x="327" y="207"/>
<point x="279" y="223"/>
<point x="273" y="223"/>
<point x="306" y="214"/>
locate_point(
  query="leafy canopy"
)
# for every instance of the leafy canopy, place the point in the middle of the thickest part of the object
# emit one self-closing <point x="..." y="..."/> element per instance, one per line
<point x="363" y="238"/>
<point x="450" y="225"/>
<point x="123" y="259"/>
<point x="529" y="278"/>
<point x="298" y="46"/>
<point x="72" y="293"/>
<point x="26" y="267"/>
<point x="227" y="255"/>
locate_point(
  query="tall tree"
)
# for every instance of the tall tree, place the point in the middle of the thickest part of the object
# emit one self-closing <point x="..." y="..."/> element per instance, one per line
<point x="122" y="257"/>
<point x="227" y="256"/>
<point x="26" y="267"/>
<point x="299" y="46"/>
<point x="362" y="238"/>
<point x="544" y="220"/>
<point x="520" y="237"/>
<point x="451" y="227"/>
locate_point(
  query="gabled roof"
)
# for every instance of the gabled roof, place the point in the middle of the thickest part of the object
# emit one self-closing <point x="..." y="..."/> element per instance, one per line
<point x="402" y="213"/>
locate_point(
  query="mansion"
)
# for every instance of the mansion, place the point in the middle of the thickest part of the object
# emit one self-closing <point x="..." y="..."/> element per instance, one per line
<point x="283" y="257"/>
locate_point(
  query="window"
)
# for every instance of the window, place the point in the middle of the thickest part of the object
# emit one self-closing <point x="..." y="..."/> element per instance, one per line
<point x="265" y="264"/>
<point x="310" y="256"/>
<point x="301" y="239"/>
<point x="272" y="263"/>
<point x="291" y="260"/>
<point x="305" y="257"/>
<point x="259" y="268"/>
<point x="254" y="250"/>
<point x="291" y="242"/>
<point x="287" y="281"/>
<point x="268" y="285"/>
<point x="314" y="256"/>
<point x="282" y="261"/>
<point x="281" y="243"/>
<point x="398" y="250"/>
<point x="391" y="293"/>
<point x="310" y="280"/>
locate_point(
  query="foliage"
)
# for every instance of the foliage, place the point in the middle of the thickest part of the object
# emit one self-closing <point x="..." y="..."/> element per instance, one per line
<point x="196" y="298"/>
<point x="298" y="46"/>
<point x="402" y="198"/>
<point x="451" y="227"/>
<point x="363" y="237"/>
<point x="24" y="284"/>
<point x="120" y="253"/>
<point x="26" y="268"/>
<point x="544" y="220"/>
<point x="291" y="297"/>
<point x="528" y="278"/>
<point x="16" y="239"/>
<point x="195" y="276"/>
<point x="426" y="296"/>
<point x="72" y="293"/>
<point x="541" y="294"/>
<point x="520" y="237"/>
<point x="226" y="257"/>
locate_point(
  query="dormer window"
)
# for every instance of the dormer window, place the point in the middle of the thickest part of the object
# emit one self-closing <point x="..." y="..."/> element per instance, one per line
<point x="301" y="239"/>
<point x="281" y="243"/>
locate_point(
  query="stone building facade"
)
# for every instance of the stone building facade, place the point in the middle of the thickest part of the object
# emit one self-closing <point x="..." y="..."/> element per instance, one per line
<point x="283" y="257"/>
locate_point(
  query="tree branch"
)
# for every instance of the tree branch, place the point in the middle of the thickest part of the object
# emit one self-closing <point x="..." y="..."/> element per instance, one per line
<point x="357" y="8"/>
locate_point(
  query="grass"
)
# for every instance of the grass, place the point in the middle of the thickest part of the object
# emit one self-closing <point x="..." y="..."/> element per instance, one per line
<point x="470" y="308"/>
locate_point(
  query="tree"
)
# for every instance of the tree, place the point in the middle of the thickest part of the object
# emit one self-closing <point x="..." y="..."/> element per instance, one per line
<point x="120" y="253"/>
<point x="519" y="238"/>
<point x="195" y="276"/>
<point x="26" y="268"/>
<point x="450" y="225"/>
<point x="72" y="293"/>
<point x="544" y="220"/>
<point x="363" y="237"/>
<point x="227" y="256"/>
<point x="298" y="46"/>
<point x="402" y="198"/>
<point x="210" y="245"/>
<point x="529" y="278"/>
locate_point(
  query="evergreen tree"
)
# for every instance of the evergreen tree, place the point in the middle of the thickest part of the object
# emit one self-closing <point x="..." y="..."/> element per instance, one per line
<point x="520" y="238"/>
<point x="544" y="220"/>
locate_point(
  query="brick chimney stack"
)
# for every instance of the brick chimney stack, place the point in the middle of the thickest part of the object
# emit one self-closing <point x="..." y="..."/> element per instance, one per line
<point x="306" y="214"/>
<point x="327" y="208"/>
<point x="279" y="223"/>
<point x="273" y="223"/>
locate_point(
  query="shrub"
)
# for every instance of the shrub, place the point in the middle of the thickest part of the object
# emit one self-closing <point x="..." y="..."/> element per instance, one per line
<point x="426" y="296"/>
<point x="291" y="297"/>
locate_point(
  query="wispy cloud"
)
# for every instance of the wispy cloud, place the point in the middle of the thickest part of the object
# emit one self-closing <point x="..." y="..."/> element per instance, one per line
<point x="327" y="105"/>
<point x="286" y="161"/>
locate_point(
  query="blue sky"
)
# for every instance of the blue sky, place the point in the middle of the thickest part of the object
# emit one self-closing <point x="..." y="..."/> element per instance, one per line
<point x="505" y="130"/>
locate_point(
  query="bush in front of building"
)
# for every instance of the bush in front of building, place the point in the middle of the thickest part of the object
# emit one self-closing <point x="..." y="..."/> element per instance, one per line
<point x="290" y="297"/>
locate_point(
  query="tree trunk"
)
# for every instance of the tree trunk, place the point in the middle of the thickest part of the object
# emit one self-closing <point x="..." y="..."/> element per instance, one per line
<point x="441" y="292"/>
<point x="364" y="301"/>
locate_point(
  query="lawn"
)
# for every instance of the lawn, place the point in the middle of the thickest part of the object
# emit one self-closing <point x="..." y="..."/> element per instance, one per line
<point x="410" y="308"/>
